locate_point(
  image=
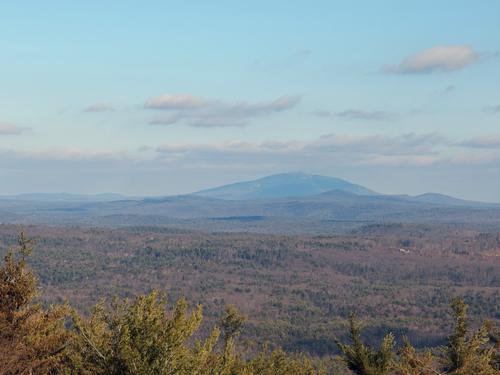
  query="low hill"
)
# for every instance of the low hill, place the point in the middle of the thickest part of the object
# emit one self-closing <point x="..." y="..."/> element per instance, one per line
<point x="447" y="200"/>
<point x="65" y="197"/>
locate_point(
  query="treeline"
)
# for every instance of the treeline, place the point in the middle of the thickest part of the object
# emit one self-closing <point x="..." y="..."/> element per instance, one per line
<point x="145" y="337"/>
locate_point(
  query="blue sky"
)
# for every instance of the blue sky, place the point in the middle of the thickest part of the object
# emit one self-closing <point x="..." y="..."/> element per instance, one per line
<point x="164" y="97"/>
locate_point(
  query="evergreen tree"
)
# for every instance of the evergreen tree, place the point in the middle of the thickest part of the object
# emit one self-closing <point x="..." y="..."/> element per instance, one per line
<point x="32" y="340"/>
<point x="468" y="353"/>
<point x="494" y="333"/>
<point x="413" y="363"/>
<point x="361" y="358"/>
<point x="139" y="338"/>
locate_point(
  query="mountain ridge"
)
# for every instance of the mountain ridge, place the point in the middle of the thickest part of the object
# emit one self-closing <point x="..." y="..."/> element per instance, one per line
<point x="66" y="197"/>
<point x="283" y="185"/>
<point x="297" y="185"/>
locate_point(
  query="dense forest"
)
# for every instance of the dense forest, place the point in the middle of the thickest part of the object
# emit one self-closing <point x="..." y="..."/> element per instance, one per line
<point x="297" y="292"/>
<point x="144" y="335"/>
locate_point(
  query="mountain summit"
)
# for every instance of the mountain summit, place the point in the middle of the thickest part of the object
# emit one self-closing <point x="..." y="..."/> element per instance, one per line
<point x="283" y="185"/>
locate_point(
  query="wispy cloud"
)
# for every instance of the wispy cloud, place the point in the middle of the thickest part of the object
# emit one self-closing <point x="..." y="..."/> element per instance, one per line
<point x="441" y="58"/>
<point x="176" y="102"/>
<point x="449" y="89"/>
<point x="341" y="150"/>
<point x="356" y="114"/>
<point x="404" y="144"/>
<point x="321" y="113"/>
<point x="493" y="108"/>
<point x="70" y="154"/>
<point x="10" y="129"/>
<point x="99" y="107"/>
<point x="200" y="112"/>
<point x="490" y="141"/>
<point x="234" y="147"/>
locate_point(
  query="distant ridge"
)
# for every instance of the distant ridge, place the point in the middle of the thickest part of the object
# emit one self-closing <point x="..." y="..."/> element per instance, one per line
<point x="283" y="203"/>
<point x="65" y="197"/>
<point x="282" y="186"/>
<point x="442" y="199"/>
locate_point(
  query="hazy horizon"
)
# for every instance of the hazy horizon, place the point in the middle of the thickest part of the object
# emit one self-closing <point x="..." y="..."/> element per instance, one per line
<point x="172" y="98"/>
<point x="103" y="193"/>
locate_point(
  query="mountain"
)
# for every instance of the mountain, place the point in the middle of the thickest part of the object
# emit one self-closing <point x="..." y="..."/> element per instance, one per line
<point x="282" y="186"/>
<point x="442" y="199"/>
<point x="284" y="203"/>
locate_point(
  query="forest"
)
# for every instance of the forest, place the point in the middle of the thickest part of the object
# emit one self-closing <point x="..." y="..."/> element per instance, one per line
<point x="296" y="291"/>
<point x="146" y="334"/>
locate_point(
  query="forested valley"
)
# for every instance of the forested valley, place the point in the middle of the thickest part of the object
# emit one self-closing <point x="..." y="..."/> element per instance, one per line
<point x="157" y="301"/>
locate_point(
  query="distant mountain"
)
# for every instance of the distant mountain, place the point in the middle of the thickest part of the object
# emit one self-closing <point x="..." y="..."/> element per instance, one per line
<point x="442" y="199"/>
<point x="65" y="197"/>
<point x="282" y="186"/>
<point x="284" y="203"/>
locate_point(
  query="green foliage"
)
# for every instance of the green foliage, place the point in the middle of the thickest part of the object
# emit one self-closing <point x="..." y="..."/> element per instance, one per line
<point x="232" y="322"/>
<point x="361" y="358"/>
<point x="32" y="339"/>
<point x="140" y="337"/>
<point x="468" y="353"/>
<point x="413" y="363"/>
<point x="278" y="362"/>
<point x="494" y="333"/>
<point x="17" y="286"/>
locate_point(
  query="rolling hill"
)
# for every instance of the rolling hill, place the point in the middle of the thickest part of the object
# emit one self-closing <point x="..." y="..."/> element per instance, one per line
<point x="65" y="197"/>
<point x="286" y="203"/>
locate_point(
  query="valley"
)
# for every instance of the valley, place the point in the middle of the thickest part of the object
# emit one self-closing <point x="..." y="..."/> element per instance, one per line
<point x="297" y="290"/>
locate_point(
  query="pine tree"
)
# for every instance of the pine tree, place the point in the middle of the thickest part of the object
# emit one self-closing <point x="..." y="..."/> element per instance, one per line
<point x="468" y="353"/>
<point x="362" y="359"/>
<point x="139" y="338"/>
<point x="494" y="333"/>
<point x="413" y="363"/>
<point x="32" y="340"/>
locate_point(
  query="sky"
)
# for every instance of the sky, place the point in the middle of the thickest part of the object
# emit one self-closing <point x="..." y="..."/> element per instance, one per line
<point x="167" y="97"/>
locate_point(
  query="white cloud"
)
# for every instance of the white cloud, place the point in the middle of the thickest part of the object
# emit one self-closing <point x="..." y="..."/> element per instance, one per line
<point x="442" y="58"/>
<point x="99" y="107"/>
<point x="321" y="113"/>
<point x="358" y="114"/>
<point x="176" y="102"/>
<point x="151" y="170"/>
<point x="235" y="147"/>
<point x="490" y="141"/>
<point x="341" y="150"/>
<point x="217" y="121"/>
<point x="166" y="120"/>
<point x="200" y="112"/>
<point x="9" y="129"/>
<point x="404" y="144"/>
